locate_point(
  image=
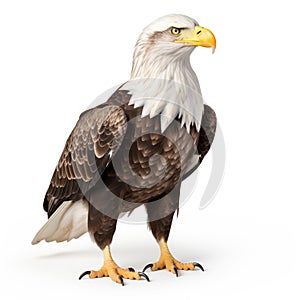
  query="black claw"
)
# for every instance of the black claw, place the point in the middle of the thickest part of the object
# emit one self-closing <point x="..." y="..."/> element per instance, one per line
<point x="198" y="265"/>
<point x="131" y="269"/>
<point x="142" y="274"/>
<point x="84" y="273"/>
<point x="121" y="279"/>
<point x="176" y="271"/>
<point x="148" y="266"/>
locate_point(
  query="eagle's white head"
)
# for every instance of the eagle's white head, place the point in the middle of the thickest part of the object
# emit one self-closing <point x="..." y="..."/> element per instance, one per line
<point x="162" y="79"/>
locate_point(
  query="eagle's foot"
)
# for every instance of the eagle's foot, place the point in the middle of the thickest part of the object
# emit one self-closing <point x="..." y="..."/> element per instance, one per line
<point x="112" y="270"/>
<point x="167" y="261"/>
<point x="171" y="264"/>
<point x="117" y="274"/>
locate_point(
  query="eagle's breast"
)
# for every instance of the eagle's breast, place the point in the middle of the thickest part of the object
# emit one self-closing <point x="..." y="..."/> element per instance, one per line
<point x="149" y="163"/>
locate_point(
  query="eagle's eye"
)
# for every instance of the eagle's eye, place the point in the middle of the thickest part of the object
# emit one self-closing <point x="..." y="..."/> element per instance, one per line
<point x="175" y="31"/>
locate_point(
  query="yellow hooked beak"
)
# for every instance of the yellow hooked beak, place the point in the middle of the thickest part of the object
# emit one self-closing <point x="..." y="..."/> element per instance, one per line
<point x="199" y="37"/>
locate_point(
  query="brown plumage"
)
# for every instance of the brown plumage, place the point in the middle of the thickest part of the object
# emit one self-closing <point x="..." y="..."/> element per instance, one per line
<point x="86" y="155"/>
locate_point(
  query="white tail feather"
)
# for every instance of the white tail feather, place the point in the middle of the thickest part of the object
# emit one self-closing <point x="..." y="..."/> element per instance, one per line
<point x="69" y="221"/>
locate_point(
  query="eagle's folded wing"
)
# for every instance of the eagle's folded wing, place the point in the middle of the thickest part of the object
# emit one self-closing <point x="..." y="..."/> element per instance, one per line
<point x="90" y="147"/>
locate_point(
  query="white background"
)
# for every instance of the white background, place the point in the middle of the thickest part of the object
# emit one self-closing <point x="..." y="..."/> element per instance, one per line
<point x="57" y="56"/>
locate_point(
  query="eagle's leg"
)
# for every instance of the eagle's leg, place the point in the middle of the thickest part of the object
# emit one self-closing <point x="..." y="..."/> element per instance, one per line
<point x="160" y="226"/>
<point x="103" y="230"/>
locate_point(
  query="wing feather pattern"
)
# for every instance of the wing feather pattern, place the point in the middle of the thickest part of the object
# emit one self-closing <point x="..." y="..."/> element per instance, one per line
<point x="95" y="138"/>
<point x="205" y="138"/>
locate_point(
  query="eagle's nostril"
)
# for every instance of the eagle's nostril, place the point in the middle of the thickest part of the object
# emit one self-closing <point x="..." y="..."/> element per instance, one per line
<point x="199" y="32"/>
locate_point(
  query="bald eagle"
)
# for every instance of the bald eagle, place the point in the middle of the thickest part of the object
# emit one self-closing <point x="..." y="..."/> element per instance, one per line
<point x="135" y="149"/>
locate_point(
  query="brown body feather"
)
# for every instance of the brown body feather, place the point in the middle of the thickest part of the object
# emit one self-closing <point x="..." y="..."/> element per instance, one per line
<point x="117" y="160"/>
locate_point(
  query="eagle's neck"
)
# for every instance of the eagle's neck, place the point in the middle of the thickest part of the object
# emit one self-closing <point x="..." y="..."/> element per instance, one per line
<point x="165" y="84"/>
